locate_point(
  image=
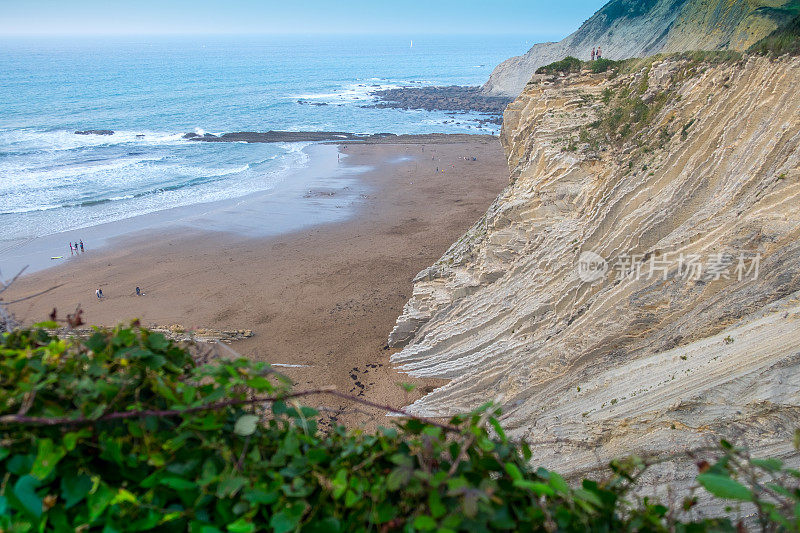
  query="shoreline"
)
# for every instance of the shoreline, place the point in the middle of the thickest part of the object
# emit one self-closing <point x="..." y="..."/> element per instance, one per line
<point x="322" y="191"/>
<point x="320" y="300"/>
<point x="337" y="137"/>
<point x="319" y="192"/>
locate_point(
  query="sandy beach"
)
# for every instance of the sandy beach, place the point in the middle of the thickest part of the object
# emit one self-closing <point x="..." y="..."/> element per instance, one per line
<point x="324" y="297"/>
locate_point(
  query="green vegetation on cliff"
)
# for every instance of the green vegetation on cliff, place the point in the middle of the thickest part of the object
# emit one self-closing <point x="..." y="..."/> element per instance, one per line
<point x="782" y="41"/>
<point x="573" y="64"/>
<point x="127" y="431"/>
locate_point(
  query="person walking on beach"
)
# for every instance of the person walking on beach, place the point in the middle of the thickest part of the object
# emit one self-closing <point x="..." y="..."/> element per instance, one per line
<point x="99" y="293"/>
<point x="70" y="247"/>
<point x="138" y="291"/>
<point x="81" y="245"/>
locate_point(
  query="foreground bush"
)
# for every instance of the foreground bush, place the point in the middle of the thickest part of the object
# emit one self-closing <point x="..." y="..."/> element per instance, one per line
<point x="126" y="431"/>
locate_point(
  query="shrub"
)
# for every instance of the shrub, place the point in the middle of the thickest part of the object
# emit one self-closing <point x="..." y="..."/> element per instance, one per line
<point x="602" y="65"/>
<point x="566" y="65"/>
<point x="126" y="431"/>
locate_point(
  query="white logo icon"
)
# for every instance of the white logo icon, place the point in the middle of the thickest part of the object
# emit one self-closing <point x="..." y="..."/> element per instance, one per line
<point x="591" y="267"/>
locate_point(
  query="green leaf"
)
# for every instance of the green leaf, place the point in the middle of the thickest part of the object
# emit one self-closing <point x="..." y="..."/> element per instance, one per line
<point x="259" y="383"/>
<point x="540" y="489"/>
<point x="74" y="489"/>
<point x="435" y="504"/>
<point x="287" y="519"/>
<point x="589" y="496"/>
<point x="498" y="429"/>
<point x="25" y="492"/>
<point x="157" y="341"/>
<point x="229" y="486"/>
<point x="386" y="512"/>
<point x="351" y="498"/>
<point x="724" y="487"/>
<point x="339" y="484"/>
<point x="123" y="337"/>
<point x="325" y="525"/>
<point x="47" y="457"/>
<point x="398" y="478"/>
<point x="513" y="471"/>
<point x="241" y="526"/>
<point x="771" y="465"/>
<point x="246" y="425"/>
<point x="178" y="483"/>
<point x="124" y="496"/>
<point x="558" y="483"/>
<point x="20" y="464"/>
<point x="99" y="500"/>
<point x="486" y="444"/>
<point x="425" y="523"/>
<point x="261" y="497"/>
<point x="71" y="439"/>
<point x="408" y="387"/>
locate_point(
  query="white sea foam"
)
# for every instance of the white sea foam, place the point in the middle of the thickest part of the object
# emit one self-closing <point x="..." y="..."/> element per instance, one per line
<point x="30" y="140"/>
<point x="354" y="92"/>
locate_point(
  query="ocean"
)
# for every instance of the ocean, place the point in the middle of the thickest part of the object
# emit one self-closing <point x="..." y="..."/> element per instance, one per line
<point x="151" y="91"/>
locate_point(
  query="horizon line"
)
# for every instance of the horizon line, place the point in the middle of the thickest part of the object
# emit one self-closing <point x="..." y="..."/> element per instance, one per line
<point x="277" y="34"/>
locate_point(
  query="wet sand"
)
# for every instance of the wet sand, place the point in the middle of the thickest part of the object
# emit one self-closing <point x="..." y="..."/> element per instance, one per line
<point x="323" y="298"/>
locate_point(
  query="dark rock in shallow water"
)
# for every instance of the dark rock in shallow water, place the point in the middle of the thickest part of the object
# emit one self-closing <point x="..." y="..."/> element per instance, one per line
<point x="453" y="98"/>
<point x="197" y="136"/>
<point x="95" y="132"/>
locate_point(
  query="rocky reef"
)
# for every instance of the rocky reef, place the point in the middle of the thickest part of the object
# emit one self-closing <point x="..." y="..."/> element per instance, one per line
<point x="637" y="28"/>
<point x="572" y="302"/>
<point x="453" y="98"/>
<point x="94" y="132"/>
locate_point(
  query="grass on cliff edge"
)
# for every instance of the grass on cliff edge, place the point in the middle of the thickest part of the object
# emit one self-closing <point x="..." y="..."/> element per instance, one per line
<point x="571" y="65"/>
<point x="627" y="111"/>
<point x="782" y="41"/>
<point x="128" y="431"/>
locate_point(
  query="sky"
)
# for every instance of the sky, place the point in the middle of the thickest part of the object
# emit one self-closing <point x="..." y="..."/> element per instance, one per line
<point x="407" y="17"/>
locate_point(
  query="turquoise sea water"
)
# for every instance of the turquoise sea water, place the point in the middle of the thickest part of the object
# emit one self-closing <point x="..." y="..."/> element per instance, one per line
<point x="150" y="91"/>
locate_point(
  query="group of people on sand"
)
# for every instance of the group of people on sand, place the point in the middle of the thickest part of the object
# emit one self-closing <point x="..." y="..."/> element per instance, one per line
<point x="100" y="295"/>
<point x="76" y="247"/>
<point x="597" y="53"/>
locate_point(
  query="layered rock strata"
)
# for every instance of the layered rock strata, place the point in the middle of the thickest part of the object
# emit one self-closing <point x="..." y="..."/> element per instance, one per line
<point x="693" y="331"/>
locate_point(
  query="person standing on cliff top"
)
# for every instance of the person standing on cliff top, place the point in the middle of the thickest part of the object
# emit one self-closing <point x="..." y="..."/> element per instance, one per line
<point x="599" y="53"/>
<point x="592" y="53"/>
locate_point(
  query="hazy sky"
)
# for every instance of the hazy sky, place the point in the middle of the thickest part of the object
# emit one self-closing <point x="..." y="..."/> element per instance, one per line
<point x="98" y="17"/>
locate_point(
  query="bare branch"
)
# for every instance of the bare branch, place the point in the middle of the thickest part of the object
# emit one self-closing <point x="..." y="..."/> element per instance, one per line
<point x="43" y="421"/>
<point x="6" y="285"/>
<point x="31" y="296"/>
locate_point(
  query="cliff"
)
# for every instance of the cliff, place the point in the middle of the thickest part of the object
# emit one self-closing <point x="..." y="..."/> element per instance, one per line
<point x="684" y="176"/>
<point x="637" y="28"/>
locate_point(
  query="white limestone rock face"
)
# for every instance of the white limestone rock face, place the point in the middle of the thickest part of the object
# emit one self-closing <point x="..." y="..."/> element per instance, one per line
<point x="629" y="364"/>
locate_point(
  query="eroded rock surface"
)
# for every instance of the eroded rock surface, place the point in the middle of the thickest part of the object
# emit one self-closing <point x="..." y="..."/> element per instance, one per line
<point x="654" y="362"/>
